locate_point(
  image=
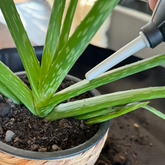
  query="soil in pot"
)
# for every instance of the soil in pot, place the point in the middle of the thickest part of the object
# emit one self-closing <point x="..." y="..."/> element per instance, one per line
<point x="37" y="134"/>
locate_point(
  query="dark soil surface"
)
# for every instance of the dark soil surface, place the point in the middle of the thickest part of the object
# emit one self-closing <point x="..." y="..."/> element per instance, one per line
<point x="38" y="134"/>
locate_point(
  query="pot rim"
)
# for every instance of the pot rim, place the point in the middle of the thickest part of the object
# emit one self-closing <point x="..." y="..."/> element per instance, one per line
<point x="64" y="153"/>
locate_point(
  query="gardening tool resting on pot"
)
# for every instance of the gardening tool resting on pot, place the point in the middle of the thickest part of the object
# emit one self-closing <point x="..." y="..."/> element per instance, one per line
<point x="151" y="35"/>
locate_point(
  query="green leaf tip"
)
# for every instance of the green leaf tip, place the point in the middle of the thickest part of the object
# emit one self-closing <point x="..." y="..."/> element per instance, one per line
<point x="52" y="37"/>
<point x="126" y="109"/>
<point x="154" y="111"/>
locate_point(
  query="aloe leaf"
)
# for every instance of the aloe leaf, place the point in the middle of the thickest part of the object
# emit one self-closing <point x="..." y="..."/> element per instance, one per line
<point x="14" y="84"/>
<point x="52" y="37"/>
<point x="118" y="113"/>
<point x="110" y="76"/>
<point x="154" y="111"/>
<point x="75" y="46"/>
<point x="22" y="42"/>
<point x="103" y="101"/>
<point x="98" y="113"/>
<point x="66" y="26"/>
<point x="6" y="92"/>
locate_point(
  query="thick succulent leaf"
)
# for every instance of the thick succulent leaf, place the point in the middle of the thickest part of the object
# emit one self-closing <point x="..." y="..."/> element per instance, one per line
<point x="22" y="42"/>
<point x="154" y="111"/>
<point x="14" y="84"/>
<point x="103" y="101"/>
<point x="7" y="93"/>
<point x="52" y="37"/>
<point x="98" y="113"/>
<point x="118" y="113"/>
<point x="66" y="26"/>
<point x="110" y="76"/>
<point x="75" y="46"/>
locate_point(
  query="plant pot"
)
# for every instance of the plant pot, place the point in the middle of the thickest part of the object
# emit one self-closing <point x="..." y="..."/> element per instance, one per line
<point x="86" y="153"/>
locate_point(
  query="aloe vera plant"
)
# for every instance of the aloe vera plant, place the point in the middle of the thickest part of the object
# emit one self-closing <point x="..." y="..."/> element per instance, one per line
<point x="59" y="55"/>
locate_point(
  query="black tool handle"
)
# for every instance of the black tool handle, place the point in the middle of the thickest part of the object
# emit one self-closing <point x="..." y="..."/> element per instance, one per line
<point x="155" y="29"/>
<point x="158" y="16"/>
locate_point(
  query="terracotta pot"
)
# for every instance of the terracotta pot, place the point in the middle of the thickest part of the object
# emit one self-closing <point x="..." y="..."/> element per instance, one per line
<point x="84" y="154"/>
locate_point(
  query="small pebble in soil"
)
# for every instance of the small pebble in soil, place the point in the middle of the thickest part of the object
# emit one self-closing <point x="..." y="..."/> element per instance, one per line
<point x="42" y="150"/>
<point x="82" y="124"/>
<point x="10" y="102"/>
<point x="16" y="139"/>
<point x="34" y="147"/>
<point x="150" y="144"/>
<point x="4" y="109"/>
<point x="29" y="142"/>
<point x="136" y="125"/>
<point x="9" y="136"/>
<point x="55" y="147"/>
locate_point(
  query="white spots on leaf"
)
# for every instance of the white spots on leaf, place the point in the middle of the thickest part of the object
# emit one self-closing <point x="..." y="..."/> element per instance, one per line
<point x="91" y="35"/>
<point x="51" y="36"/>
<point x="148" y="65"/>
<point x="67" y="49"/>
<point x="60" y="71"/>
<point x="82" y="46"/>
<point x="84" y="40"/>
<point x="79" y="34"/>
<point x="97" y="21"/>
<point x="90" y="19"/>
<point x="53" y="74"/>
<point x="51" y="84"/>
<point x="59" y="7"/>
<point x="67" y="69"/>
<point x="124" y="74"/>
<point x="104" y="7"/>
<point x="85" y="31"/>
<point x="134" y="67"/>
<point x="57" y="66"/>
<point x="101" y="5"/>
<point x="68" y="57"/>
<point x="45" y="86"/>
<point x="72" y="52"/>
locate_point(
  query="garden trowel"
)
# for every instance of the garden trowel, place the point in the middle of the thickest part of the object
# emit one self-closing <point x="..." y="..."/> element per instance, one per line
<point x="151" y="35"/>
